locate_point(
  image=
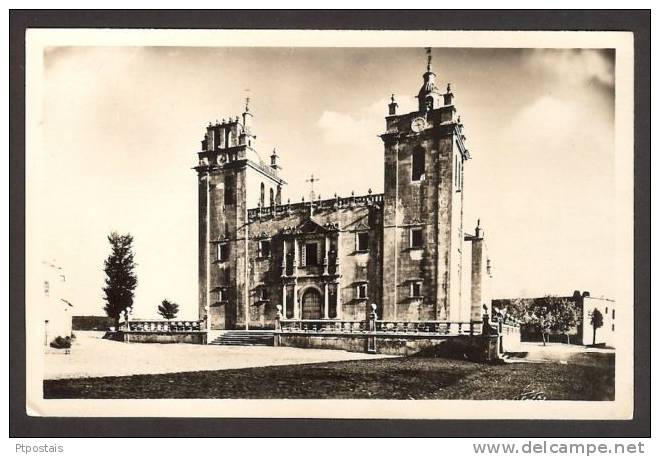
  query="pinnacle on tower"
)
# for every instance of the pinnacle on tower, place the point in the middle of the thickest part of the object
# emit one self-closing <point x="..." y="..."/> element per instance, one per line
<point x="429" y="95"/>
<point x="393" y="106"/>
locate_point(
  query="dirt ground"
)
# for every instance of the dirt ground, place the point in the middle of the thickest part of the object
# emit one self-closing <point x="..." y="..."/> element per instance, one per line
<point x="92" y="356"/>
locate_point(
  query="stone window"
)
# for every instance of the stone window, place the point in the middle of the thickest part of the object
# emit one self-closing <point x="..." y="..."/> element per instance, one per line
<point x="416" y="289"/>
<point x="606" y="310"/>
<point x="362" y="241"/>
<point x="416" y="237"/>
<point x="612" y="327"/>
<point x="613" y="313"/>
<point x="265" y="293"/>
<point x="362" y="291"/>
<point x="262" y="194"/>
<point x="264" y="249"/>
<point x="311" y="257"/>
<point x="418" y="164"/>
<point x="223" y="252"/>
<point x="272" y="197"/>
<point x="458" y="166"/>
<point x="229" y="190"/>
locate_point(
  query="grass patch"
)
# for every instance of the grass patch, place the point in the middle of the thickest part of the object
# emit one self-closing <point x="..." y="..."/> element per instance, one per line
<point x="588" y="377"/>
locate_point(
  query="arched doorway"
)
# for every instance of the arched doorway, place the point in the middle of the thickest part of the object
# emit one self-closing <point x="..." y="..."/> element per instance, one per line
<point x="311" y="304"/>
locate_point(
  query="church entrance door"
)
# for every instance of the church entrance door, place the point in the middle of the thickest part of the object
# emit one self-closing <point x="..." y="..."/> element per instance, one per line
<point x="311" y="304"/>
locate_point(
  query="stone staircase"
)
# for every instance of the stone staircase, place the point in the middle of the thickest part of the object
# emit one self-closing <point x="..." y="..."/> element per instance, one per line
<point x="244" y="338"/>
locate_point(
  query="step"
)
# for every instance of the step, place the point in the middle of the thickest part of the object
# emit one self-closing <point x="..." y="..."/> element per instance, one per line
<point x="244" y="338"/>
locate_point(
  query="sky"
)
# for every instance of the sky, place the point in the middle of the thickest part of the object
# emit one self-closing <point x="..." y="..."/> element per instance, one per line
<point x="121" y="128"/>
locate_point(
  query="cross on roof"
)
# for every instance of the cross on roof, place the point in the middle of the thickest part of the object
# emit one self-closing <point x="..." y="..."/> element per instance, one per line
<point x="312" y="180"/>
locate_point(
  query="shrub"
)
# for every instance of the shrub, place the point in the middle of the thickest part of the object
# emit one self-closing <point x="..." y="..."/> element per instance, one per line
<point x="61" y="343"/>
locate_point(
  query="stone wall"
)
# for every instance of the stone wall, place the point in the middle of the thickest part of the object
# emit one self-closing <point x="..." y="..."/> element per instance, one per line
<point x="476" y="348"/>
<point x="265" y="272"/>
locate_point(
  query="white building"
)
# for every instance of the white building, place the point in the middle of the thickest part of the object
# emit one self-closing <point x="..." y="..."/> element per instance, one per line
<point x="604" y="334"/>
<point x="57" y="309"/>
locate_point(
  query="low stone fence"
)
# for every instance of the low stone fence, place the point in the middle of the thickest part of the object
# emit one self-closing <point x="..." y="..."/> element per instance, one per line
<point x="160" y="331"/>
<point x="483" y="340"/>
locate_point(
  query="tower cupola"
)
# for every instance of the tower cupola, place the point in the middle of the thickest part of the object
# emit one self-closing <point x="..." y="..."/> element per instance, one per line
<point x="429" y="96"/>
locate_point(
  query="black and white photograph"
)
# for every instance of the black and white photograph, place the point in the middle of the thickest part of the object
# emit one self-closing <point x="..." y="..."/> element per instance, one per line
<point x="369" y="223"/>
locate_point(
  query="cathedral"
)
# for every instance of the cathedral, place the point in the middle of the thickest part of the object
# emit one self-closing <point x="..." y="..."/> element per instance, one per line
<point x="405" y="250"/>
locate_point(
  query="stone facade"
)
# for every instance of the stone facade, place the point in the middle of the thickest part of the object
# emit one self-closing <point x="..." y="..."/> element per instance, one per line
<point x="333" y="258"/>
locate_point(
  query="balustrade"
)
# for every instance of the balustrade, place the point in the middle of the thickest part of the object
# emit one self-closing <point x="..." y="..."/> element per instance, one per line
<point x="161" y="326"/>
<point x="381" y="326"/>
<point x="338" y="202"/>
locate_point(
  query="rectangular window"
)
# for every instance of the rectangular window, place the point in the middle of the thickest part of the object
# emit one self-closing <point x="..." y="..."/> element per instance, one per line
<point x="606" y="310"/>
<point x="311" y="254"/>
<point x="418" y="164"/>
<point x="229" y="190"/>
<point x="223" y="252"/>
<point x="264" y="249"/>
<point x="363" y="241"/>
<point x="416" y="289"/>
<point x="265" y="294"/>
<point x="613" y="313"/>
<point x="416" y="240"/>
<point x="362" y="291"/>
<point x="612" y="327"/>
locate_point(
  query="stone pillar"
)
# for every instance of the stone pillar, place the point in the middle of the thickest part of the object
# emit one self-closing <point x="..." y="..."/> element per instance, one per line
<point x="338" y="295"/>
<point x="284" y="259"/>
<point x="284" y="301"/>
<point x="295" y="257"/>
<point x="296" y="307"/>
<point x="326" y="259"/>
<point x="278" y="326"/>
<point x="326" y="307"/>
<point x="371" y="328"/>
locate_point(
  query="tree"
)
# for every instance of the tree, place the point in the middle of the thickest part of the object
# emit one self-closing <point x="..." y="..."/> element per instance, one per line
<point x="120" y="281"/>
<point x="168" y="309"/>
<point x="551" y="313"/>
<point x="596" y="321"/>
<point x="565" y="315"/>
<point x="540" y="315"/>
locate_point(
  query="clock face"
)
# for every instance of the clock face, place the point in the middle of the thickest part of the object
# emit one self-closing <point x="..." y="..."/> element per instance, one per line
<point x="418" y="124"/>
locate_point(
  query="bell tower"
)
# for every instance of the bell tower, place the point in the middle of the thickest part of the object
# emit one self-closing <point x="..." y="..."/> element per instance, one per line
<point x="423" y="207"/>
<point x="230" y="175"/>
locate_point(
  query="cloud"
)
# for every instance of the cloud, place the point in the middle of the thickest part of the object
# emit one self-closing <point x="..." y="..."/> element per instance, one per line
<point x="349" y="128"/>
<point x="576" y="66"/>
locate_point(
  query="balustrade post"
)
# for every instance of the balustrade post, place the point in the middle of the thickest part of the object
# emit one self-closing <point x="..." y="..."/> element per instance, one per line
<point x="371" y="330"/>
<point x="278" y="327"/>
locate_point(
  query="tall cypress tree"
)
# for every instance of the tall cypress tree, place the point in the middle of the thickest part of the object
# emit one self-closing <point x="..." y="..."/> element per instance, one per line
<point x="120" y="281"/>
